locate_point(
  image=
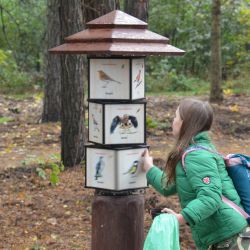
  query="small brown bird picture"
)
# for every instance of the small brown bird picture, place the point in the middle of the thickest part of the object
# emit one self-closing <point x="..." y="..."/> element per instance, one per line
<point x="138" y="79"/>
<point x="106" y="78"/>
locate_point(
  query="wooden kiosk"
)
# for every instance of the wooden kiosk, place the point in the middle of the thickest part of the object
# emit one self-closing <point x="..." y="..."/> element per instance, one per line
<point x="116" y="45"/>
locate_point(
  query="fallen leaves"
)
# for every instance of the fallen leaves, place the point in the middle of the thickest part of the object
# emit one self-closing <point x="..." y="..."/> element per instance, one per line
<point x="227" y="92"/>
<point x="52" y="221"/>
<point x="234" y="108"/>
<point x="33" y="214"/>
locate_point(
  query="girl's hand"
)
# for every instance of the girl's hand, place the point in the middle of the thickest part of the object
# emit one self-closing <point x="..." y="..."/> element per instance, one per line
<point x="146" y="161"/>
<point x="179" y="217"/>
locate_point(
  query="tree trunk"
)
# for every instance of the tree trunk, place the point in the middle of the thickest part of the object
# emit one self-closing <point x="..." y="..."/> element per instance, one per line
<point x="96" y="8"/>
<point x="216" y="94"/>
<point x="52" y="90"/>
<point x="72" y="135"/>
<point x="137" y="8"/>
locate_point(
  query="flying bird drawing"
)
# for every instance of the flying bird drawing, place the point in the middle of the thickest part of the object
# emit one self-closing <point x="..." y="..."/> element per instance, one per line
<point x="125" y="122"/>
<point x="133" y="169"/>
<point x="105" y="77"/>
<point x="99" y="168"/>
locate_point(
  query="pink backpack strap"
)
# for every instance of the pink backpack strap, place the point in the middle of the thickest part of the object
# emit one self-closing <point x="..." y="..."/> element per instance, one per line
<point x="235" y="207"/>
<point x="184" y="155"/>
<point x="195" y="148"/>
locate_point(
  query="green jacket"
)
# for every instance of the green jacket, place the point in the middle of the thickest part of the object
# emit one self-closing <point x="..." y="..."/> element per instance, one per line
<point x="199" y="190"/>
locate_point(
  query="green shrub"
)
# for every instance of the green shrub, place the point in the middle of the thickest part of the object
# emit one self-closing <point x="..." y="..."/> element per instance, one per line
<point x="150" y="123"/>
<point x="12" y="79"/>
<point x="51" y="167"/>
<point x="173" y="82"/>
<point x="236" y="86"/>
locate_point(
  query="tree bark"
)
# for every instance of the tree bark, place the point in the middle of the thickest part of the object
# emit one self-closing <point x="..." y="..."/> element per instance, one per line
<point x="216" y="94"/>
<point x="52" y="90"/>
<point x="137" y="8"/>
<point x="72" y="135"/>
<point x="96" y="8"/>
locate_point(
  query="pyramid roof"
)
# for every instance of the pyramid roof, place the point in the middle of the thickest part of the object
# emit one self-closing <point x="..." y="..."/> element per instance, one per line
<point x="117" y="33"/>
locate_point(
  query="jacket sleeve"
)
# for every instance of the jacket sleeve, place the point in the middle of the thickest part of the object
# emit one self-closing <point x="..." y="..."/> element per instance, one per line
<point x="203" y="176"/>
<point x="156" y="178"/>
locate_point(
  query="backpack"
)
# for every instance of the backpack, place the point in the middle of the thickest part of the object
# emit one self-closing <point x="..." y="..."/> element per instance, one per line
<point x="238" y="168"/>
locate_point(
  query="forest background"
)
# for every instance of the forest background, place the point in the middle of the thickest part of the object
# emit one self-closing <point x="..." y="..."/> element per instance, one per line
<point x="186" y="23"/>
<point x="43" y="205"/>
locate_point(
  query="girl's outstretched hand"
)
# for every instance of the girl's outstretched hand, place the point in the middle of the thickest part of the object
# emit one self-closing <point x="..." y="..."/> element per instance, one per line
<point x="146" y="161"/>
<point x="179" y="217"/>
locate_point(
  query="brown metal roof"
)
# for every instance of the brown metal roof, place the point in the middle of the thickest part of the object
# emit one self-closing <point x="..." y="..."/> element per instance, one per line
<point x="126" y="49"/>
<point x="117" y="33"/>
<point x="117" y="19"/>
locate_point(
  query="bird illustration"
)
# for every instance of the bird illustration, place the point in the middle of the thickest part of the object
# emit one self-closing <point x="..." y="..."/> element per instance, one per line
<point x="99" y="168"/>
<point x="138" y="79"/>
<point x="133" y="169"/>
<point x="125" y="122"/>
<point x="96" y="124"/>
<point x="106" y="78"/>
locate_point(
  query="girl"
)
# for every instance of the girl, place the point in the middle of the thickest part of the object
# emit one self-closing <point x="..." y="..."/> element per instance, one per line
<point x="214" y="224"/>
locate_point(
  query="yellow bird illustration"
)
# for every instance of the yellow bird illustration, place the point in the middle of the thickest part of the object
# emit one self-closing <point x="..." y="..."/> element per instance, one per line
<point x="133" y="169"/>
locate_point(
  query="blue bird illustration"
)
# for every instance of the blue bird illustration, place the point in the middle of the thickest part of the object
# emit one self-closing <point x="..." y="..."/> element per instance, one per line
<point x="99" y="168"/>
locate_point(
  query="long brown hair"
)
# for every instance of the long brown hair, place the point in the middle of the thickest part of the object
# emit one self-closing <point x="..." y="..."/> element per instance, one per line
<point x="197" y="116"/>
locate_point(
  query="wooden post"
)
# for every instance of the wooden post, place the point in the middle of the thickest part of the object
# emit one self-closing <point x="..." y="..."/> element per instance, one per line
<point x="118" y="222"/>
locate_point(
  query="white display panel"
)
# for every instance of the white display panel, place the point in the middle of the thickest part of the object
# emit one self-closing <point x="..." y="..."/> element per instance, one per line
<point x="130" y="174"/>
<point x="109" y="78"/>
<point x="117" y="124"/>
<point x="116" y="78"/>
<point x="100" y="168"/>
<point x="124" y="123"/>
<point x="114" y="169"/>
<point x="138" y="76"/>
<point x="96" y="122"/>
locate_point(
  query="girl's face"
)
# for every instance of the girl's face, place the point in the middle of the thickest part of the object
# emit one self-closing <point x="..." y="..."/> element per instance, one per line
<point x="177" y="122"/>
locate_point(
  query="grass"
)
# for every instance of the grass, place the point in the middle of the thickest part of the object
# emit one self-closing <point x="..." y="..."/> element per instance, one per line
<point x="38" y="95"/>
<point x="238" y="86"/>
<point x="4" y="120"/>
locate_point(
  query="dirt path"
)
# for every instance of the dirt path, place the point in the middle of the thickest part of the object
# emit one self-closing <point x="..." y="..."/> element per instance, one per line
<point x="36" y="215"/>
